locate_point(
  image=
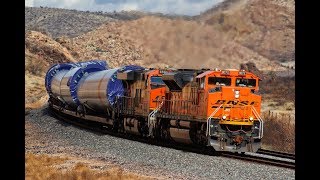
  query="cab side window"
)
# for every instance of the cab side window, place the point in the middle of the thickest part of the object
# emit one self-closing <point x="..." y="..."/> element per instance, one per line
<point x="201" y="82"/>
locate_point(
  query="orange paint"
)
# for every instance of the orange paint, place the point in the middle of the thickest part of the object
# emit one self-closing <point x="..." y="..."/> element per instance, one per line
<point x="155" y="94"/>
<point x="236" y="108"/>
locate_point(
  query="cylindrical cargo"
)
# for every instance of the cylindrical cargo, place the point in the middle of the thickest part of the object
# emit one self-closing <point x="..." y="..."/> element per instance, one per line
<point x="65" y="93"/>
<point x="56" y="83"/>
<point x="100" y="89"/>
<point x="99" y="62"/>
<point x="54" y="76"/>
<point x="62" y="80"/>
<point x="70" y="82"/>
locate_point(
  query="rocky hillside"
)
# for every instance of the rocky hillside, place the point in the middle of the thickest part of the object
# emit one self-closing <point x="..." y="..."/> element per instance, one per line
<point x="58" y="22"/>
<point x="46" y="48"/>
<point x="41" y="52"/>
<point x="161" y="42"/>
<point x="234" y="32"/>
<point x="223" y="36"/>
<point x="266" y="27"/>
<point x="61" y="22"/>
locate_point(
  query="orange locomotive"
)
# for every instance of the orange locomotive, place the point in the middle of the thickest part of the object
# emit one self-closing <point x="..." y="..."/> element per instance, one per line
<point x="218" y="108"/>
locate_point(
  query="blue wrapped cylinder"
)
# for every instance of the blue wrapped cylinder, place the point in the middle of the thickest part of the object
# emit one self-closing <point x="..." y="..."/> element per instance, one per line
<point x="100" y="89"/>
<point x="62" y="80"/>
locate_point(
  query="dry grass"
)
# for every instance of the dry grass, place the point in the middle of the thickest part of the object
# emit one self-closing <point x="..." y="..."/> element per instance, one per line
<point x="46" y="50"/>
<point x="279" y="133"/>
<point x="44" y="167"/>
<point x="35" y="91"/>
<point x="280" y="89"/>
<point x="35" y="65"/>
<point x="35" y="70"/>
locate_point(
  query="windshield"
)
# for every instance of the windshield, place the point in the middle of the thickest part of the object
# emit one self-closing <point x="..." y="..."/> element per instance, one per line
<point x="156" y="82"/>
<point x="245" y="82"/>
<point x="219" y="81"/>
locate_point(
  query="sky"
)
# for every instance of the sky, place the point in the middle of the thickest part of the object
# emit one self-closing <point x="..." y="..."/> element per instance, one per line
<point x="180" y="7"/>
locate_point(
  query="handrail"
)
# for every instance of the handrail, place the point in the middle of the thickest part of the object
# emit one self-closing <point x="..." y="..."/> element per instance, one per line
<point x="260" y="120"/>
<point x="208" y="120"/>
<point x="151" y="117"/>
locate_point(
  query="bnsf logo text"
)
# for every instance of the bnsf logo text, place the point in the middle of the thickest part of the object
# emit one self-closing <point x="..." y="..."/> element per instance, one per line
<point x="241" y="103"/>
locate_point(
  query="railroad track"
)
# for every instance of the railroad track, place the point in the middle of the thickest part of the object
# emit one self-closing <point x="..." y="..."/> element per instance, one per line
<point x="259" y="159"/>
<point x="276" y="154"/>
<point x="97" y="127"/>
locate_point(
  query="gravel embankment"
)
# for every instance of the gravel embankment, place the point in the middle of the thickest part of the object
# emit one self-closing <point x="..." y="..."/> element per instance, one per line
<point x="54" y="136"/>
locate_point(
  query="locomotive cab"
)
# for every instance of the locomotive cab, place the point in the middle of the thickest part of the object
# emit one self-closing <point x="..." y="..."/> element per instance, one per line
<point x="233" y="108"/>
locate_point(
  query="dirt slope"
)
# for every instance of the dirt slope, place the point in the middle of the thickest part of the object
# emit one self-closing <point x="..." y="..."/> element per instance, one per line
<point x="266" y="27"/>
<point x="175" y="43"/>
<point x="41" y="52"/>
<point x="46" y="48"/>
<point x="235" y="32"/>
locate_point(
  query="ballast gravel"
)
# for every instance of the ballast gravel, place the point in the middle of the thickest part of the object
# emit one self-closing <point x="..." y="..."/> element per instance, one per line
<point x="54" y="136"/>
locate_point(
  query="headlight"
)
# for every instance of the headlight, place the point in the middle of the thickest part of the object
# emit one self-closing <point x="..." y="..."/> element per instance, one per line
<point x="236" y="93"/>
<point x="251" y="118"/>
<point x="224" y="117"/>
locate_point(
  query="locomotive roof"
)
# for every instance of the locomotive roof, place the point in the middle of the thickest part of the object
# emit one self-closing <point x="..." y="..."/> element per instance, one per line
<point x="232" y="72"/>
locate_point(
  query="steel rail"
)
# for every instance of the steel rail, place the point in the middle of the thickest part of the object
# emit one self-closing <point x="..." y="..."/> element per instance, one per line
<point x="259" y="159"/>
<point x="276" y="154"/>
